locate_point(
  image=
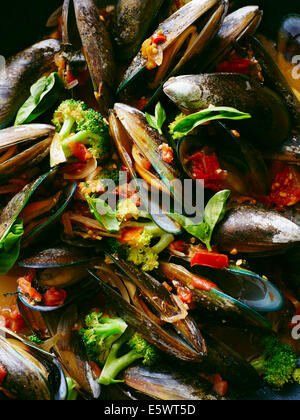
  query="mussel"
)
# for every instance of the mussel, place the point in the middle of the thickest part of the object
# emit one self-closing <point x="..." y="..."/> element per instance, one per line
<point x="147" y="323"/>
<point x="63" y="268"/>
<point x="195" y="92"/>
<point x="71" y="350"/>
<point x="187" y="32"/>
<point x="236" y="26"/>
<point x="23" y="148"/>
<point x="132" y="21"/>
<point x="213" y="303"/>
<point x="98" y="51"/>
<point x="243" y="169"/>
<point x="29" y="373"/>
<point x="135" y="141"/>
<point x="168" y="382"/>
<point x="20" y="73"/>
<point x="255" y="230"/>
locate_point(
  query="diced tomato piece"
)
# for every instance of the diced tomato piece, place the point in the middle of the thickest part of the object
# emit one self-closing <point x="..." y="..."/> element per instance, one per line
<point x="180" y="246"/>
<point x="220" y="386"/>
<point x="2" y="374"/>
<point x="14" y="320"/>
<point x="203" y="284"/>
<point x="141" y="103"/>
<point x="185" y="294"/>
<point x="210" y="259"/>
<point x="25" y="287"/>
<point x="131" y="235"/>
<point x="158" y="38"/>
<point x="167" y="153"/>
<point x="54" y="297"/>
<point x="236" y="65"/>
<point x="80" y="151"/>
<point x="207" y="167"/>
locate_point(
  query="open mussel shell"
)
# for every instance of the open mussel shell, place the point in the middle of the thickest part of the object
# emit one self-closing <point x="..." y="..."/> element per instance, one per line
<point x="129" y="127"/>
<point x="255" y="230"/>
<point x="16" y="135"/>
<point x="169" y="343"/>
<point x="276" y="80"/>
<point x="168" y="382"/>
<point x="132" y="20"/>
<point x="245" y="167"/>
<point x="163" y="303"/>
<point x="13" y="209"/>
<point x="58" y="257"/>
<point x="246" y="287"/>
<point x="40" y="229"/>
<point x="25" y="160"/>
<point x="71" y="350"/>
<point x="20" y="73"/>
<point x="193" y="93"/>
<point x="31" y="374"/>
<point x="215" y="304"/>
<point x="209" y="13"/>
<point x="236" y="26"/>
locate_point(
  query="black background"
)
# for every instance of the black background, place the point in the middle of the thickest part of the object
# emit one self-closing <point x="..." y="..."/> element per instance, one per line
<point x="22" y="22"/>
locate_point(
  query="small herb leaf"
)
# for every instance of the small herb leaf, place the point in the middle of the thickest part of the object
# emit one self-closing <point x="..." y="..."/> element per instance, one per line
<point x="157" y="121"/>
<point x="190" y="122"/>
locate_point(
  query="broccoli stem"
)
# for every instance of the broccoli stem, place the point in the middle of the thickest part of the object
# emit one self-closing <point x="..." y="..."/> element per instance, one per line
<point x="81" y="137"/>
<point x="164" y="242"/>
<point x="259" y="364"/>
<point x="67" y="127"/>
<point x="115" y="365"/>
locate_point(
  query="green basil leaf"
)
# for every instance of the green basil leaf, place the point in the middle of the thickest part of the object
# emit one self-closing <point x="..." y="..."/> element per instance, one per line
<point x="152" y="121"/>
<point x="160" y="115"/>
<point x="215" y="209"/>
<point x="10" y="247"/>
<point x="158" y="120"/>
<point x="189" y="123"/>
<point x="44" y="94"/>
<point x="213" y="214"/>
<point x="104" y="214"/>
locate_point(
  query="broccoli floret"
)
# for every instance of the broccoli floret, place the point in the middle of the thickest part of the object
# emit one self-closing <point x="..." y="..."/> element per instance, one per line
<point x="277" y="364"/>
<point x="140" y="349"/>
<point x="139" y="250"/>
<point x="175" y="136"/>
<point x="100" y="334"/>
<point x="127" y="210"/>
<point x="78" y="124"/>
